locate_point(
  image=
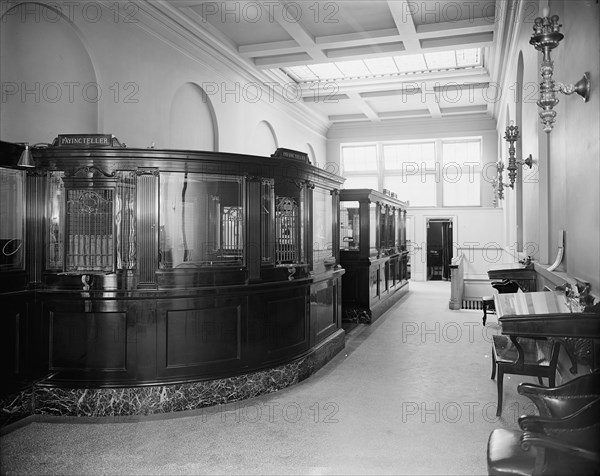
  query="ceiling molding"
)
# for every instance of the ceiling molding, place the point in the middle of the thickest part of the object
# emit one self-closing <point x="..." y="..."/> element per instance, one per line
<point x="257" y="48"/>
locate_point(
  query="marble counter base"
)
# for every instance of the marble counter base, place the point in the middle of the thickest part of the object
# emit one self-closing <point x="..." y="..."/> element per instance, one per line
<point x="41" y="400"/>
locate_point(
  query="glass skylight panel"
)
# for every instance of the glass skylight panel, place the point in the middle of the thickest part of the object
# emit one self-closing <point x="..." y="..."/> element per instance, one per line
<point x="441" y="60"/>
<point x="326" y="71"/>
<point x="353" y="69"/>
<point x="470" y="57"/>
<point x="301" y="73"/>
<point x="381" y="66"/>
<point x="410" y="63"/>
<point x="386" y="66"/>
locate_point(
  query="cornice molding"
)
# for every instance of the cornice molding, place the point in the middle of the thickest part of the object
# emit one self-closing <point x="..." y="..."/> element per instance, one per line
<point x="476" y="123"/>
<point x="506" y="49"/>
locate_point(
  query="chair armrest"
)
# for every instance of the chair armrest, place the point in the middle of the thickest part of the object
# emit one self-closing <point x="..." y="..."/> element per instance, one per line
<point x="586" y="385"/>
<point x="565" y="399"/>
<point x="529" y="439"/>
<point x="586" y="417"/>
<point x="536" y="423"/>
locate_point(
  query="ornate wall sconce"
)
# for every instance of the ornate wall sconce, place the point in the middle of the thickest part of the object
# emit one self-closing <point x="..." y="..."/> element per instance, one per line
<point x="546" y="36"/>
<point x="498" y="184"/>
<point x="511" y="136"/>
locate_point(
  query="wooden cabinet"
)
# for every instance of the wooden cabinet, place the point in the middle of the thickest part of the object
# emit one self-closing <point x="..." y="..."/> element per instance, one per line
<point x="147" y="266"/>
<point x="373" y="252"/>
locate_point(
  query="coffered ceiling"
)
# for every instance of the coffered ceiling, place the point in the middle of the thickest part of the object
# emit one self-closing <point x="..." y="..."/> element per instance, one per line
<point x="358" y="61"/>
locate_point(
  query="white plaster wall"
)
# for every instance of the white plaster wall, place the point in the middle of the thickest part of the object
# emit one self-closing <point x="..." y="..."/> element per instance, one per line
<point x="139" y="74"/>
<point x="562" y="191"/>
<point x="476" y="235"/>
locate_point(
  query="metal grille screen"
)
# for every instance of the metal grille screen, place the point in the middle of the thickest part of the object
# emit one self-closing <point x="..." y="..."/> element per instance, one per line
<point x="286" y="226"/>
<point x="90" y="230"/>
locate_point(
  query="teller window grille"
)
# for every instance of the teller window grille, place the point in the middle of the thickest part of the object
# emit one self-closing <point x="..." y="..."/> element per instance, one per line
<point x="287" y="230"/>
<point x="90" y="235"/>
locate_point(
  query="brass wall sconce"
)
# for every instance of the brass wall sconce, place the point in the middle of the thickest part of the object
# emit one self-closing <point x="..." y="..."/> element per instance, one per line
<point x="545" y="38"/>
<point x="511" y="136"/>
<point x="498" y="184"/>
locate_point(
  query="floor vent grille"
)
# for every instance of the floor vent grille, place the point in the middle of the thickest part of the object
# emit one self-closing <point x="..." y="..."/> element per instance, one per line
<point x="472" y="304"/>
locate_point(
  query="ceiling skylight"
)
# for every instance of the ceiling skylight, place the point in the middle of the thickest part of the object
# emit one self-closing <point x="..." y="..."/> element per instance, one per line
<point x="386" y="66"/>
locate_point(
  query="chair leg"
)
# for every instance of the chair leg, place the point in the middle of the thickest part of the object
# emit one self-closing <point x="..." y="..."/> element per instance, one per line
<point x="484" y="312"/>
<point x="552" y="380"/>
<point x="542" y="382"/>
<point x="493" y="364"/>
<point x="499" y="381"/>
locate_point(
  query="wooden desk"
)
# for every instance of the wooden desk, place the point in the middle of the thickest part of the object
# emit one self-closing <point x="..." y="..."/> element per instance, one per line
<point x="543" y="314"/>
<point x="524" y="276"/>
<point x="547" y="314"/>
<point x="521" y="304"/>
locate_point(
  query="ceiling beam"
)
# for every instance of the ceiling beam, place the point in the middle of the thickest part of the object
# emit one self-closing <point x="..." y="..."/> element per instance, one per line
<point x="268" y="49"/>
<point x="358" y="38"/>
<point x="298" y="33"/>
<point x="364" y="107"/>
<point x="405" y="24"/>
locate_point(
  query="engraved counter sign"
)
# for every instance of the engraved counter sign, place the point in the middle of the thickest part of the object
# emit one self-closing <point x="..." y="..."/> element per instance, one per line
<point x="85" y="140"/>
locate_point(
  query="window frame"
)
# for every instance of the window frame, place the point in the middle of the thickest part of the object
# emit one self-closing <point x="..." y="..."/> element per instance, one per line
<point x="437" y="171"/>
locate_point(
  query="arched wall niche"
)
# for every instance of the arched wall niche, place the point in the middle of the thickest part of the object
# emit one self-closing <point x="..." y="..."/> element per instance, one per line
<point x="264" y="140"/>
<point x="192" y="122"/>
<point x="51" y="86"/>
<point x="519" y="152"/>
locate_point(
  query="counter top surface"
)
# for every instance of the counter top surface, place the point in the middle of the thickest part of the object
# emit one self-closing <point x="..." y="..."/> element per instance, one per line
<point x="502" y="266"/>
<point x="524" y="304"/>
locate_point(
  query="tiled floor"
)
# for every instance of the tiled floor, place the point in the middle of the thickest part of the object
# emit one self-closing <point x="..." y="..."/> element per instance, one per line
<point x="410" y="394"/>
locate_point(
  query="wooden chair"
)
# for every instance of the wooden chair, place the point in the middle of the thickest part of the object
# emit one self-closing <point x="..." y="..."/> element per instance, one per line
<point x="523" y="356"/>
<point x="566" y="446"/>
<point x="505" y="286"/>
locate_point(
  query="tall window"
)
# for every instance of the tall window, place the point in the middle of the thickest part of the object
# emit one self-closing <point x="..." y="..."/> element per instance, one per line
<point x="430" y="173"/>
<point x="461" y="167"/>
<point x="410" y="171"/>
<point x="359" y="163"/>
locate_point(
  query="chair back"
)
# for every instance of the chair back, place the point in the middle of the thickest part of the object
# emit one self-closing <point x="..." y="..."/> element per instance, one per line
<point x="506" y="286"/>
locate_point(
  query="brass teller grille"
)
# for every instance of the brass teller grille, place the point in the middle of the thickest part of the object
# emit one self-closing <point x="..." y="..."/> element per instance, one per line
<point x="90" y="230"/>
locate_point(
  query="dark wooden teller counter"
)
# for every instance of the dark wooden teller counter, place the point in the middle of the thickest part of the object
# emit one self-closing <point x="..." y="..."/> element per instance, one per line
<point x="159" y="274"/>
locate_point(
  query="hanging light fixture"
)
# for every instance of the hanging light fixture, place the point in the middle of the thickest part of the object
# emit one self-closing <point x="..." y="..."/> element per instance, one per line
<point x="546" y="36"/>
<point x="26" y="160"/>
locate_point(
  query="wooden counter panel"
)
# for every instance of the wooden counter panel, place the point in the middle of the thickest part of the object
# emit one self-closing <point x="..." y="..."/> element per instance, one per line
<point x="286" y="326"/>
<point x="323" y="309"/>
<point x="200" y="336"/>
<point x="88" y="341"/>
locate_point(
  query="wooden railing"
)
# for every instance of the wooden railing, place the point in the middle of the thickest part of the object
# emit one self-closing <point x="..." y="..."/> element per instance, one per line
<point x="457" y="283"/>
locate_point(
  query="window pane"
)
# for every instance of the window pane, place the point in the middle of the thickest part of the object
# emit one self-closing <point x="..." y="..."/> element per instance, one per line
<point x="359" y="158"/>
<point x="419" y="189"/>
<point x="349" y="225"/>
<point x="12" y="220"/>
<point x="461" y="188"/>
<point x="361" y="181"/>
<point x="322" y="220"/>
<point x="411" y="156"/>
<point x="463" y="153"/>
<point x="201" y="220"/>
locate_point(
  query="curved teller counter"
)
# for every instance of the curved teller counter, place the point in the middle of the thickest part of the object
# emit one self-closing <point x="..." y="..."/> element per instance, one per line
<point x="160" y="278"/>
